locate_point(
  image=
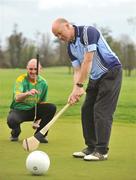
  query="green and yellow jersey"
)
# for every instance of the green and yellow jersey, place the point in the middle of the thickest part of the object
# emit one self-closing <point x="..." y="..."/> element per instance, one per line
<point x="23" y="85"/>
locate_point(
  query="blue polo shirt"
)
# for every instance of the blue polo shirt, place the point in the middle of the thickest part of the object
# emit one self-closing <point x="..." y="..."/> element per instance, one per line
<point x="88" y="39"/>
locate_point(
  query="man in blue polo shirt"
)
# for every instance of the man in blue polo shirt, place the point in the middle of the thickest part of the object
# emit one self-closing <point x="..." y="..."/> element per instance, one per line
<point x="91" y="56"/>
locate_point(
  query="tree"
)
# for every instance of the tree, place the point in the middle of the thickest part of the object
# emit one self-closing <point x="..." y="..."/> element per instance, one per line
<point x="128" y="51"/>
<point x="27" y="52"/>
<point x="1" y="57"/>
<point x="63" y="58"/>
<point x="16" y="42"/>
<point x="46" y="51"/>
<point x="132" y="22"/>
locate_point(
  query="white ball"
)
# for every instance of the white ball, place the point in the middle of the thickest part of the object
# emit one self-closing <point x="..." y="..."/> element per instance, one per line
<point x="37" y="162"/>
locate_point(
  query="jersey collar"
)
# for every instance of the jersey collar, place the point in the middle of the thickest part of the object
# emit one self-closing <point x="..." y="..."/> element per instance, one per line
<point x="76" y="33"/>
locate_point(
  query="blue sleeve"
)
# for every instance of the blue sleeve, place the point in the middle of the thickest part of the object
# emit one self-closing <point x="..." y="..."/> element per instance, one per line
<point x="74" y="60"/>
<point x="90" y="37"/>
<point x="71" y="56"/>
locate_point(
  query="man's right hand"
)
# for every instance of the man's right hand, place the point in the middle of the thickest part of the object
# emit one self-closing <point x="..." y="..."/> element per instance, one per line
<point x="75" y="95"/>
<point x="32" y="92"/>
<point x="35" y="124"/>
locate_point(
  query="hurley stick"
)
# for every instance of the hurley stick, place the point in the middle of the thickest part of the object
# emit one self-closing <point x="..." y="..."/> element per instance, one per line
<point x="36" y="124"/>
<point x="33" y="142"/>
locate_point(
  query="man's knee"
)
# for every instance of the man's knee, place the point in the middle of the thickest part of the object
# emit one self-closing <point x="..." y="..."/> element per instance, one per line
<point x="48" y="108"/>
<point x="12" y="122"/>
<point x="53" y="108"/>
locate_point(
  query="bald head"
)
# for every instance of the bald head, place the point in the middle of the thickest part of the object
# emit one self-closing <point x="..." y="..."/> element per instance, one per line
<point x="61" y="20"/>
<point x="63" y="29"/>
<point x="57" y="23"/>
<point x="33" y="62"/>
<point x="32" y="69"/>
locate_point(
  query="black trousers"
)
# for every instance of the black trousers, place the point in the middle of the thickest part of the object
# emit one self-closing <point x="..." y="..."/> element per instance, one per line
<point x="45" y="112"/>
<point x="98" y="108"/>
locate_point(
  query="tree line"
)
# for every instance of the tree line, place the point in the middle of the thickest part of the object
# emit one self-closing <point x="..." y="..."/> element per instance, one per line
<point x="20" y="49"/>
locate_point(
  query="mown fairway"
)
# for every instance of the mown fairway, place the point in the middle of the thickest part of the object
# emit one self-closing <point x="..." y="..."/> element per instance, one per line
<point x="65" y="136"/>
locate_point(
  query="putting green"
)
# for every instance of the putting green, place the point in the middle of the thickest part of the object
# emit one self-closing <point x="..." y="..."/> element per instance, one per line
<point x="65" y="137"/>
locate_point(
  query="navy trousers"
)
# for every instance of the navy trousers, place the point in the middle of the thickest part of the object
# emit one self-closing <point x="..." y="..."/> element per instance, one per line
<point x="98" y="109"/>
<point x="45" y="112"/>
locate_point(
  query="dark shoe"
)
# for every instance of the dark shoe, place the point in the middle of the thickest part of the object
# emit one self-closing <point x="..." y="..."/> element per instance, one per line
<point x="83" y="153"/>
<point x="13" y="138"/>
<point x="43" y="140"/>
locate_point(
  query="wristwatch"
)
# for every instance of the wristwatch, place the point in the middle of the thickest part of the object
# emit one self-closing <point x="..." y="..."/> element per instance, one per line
<point x="79" y="85"/>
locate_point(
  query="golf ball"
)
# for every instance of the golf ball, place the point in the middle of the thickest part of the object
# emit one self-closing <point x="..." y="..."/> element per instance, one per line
<point x="37" y="162"/>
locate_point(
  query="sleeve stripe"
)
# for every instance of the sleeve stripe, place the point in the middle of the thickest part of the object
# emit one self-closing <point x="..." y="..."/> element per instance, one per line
<point x="85" y="37"/>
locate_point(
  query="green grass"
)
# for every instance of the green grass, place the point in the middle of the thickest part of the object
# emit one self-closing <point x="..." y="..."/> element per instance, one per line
<point x="127" y="101"/>
<point x="60" y="84"/>
<point x="65" y="136"/>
